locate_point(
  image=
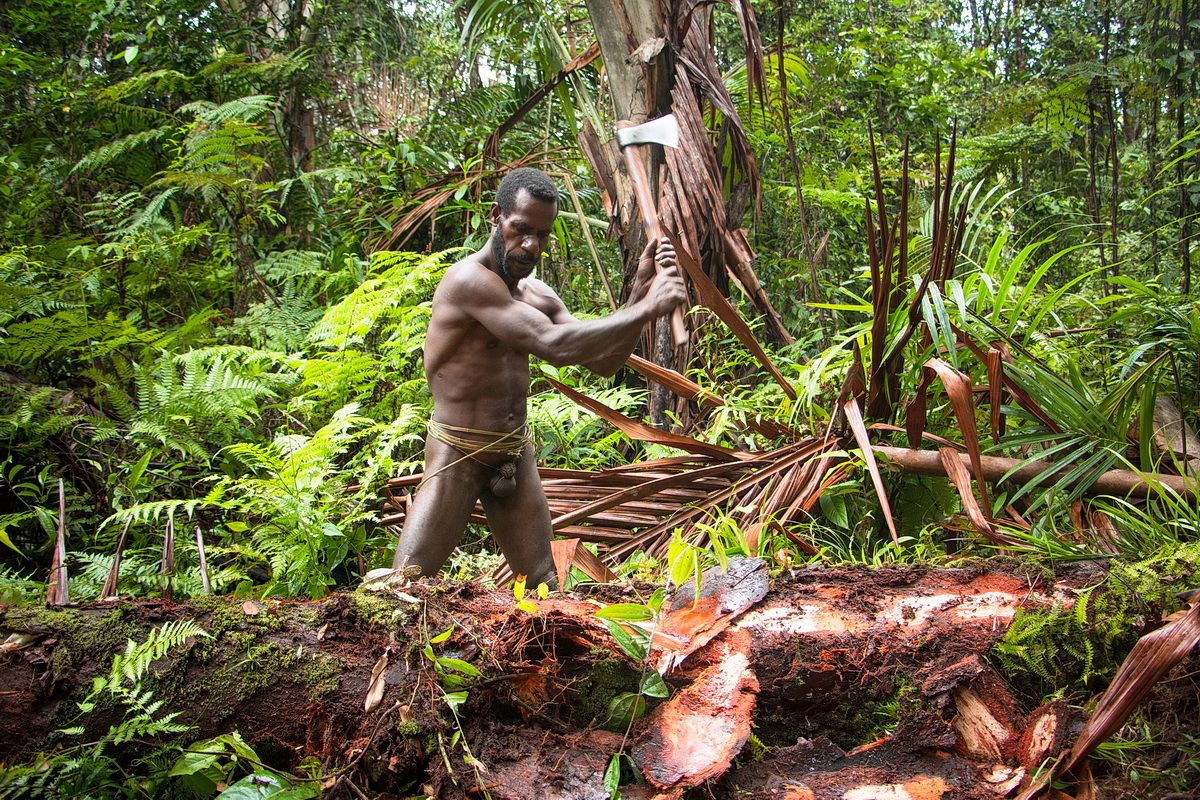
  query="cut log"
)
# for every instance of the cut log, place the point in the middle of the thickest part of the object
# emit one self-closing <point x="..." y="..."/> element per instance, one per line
<point x="294" y="678"/>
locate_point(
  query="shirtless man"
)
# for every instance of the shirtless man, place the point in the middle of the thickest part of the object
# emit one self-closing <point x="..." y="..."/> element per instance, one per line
<point x="489" y="316"/>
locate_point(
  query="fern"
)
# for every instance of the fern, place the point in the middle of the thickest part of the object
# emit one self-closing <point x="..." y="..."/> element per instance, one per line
<point x="293" y="494"/>
<point x="87" y="770"/>
<point x="159" y="80"/>
<point x="130" y="666"/>
<point x="107" y="154"/>
<point x="241" y="108"/>
<point x="157" y="510"/>
<point x="402" y="281"/>
<point x="199" y="393"/>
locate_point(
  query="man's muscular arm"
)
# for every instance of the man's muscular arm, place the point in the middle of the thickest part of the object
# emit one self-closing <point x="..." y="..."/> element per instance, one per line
<point x="601" y="344"/>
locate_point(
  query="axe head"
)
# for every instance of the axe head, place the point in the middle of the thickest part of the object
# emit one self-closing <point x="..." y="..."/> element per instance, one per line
<point x="664" y="131"/>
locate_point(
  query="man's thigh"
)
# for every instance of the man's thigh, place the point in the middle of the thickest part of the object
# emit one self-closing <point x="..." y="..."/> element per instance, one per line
<point x="521" y="523"/>
<point x="440" y="511"/>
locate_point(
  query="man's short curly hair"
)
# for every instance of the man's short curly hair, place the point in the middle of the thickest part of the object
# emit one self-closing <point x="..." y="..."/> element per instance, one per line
<point x="534" y="181"/>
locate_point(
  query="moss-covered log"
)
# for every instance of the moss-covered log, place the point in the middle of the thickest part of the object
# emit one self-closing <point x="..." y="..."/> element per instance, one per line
<point x="848" y="655"/>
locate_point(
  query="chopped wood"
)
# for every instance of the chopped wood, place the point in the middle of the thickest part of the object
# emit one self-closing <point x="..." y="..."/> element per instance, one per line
<point x="695" y="735"/>
<point x="109" y="590"/>
<point x="205" y="586"/>
<point x="166" y="570"/>
<point x="693" y="620"/>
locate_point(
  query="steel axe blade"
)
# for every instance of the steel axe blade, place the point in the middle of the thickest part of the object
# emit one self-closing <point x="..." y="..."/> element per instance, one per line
<point x="664" y="131"/>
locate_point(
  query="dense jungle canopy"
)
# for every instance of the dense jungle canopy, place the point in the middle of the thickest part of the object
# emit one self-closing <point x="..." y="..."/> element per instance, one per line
<point x="942" y="298"/>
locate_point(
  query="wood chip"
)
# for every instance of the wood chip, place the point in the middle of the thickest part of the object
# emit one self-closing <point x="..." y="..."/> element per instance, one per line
<point x="376" y="688"/>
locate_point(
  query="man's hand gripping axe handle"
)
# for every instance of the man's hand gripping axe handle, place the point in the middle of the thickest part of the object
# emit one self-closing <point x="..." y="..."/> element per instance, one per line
<point x="664" y="131"/>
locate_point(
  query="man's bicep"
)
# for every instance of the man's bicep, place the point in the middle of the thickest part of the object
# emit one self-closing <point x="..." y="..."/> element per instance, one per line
<point x="517" y="324"/>
<point x="549" y="303"/>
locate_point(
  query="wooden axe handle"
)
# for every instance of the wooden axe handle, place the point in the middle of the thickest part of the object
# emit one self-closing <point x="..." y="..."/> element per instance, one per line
<point x="641" y="189"/>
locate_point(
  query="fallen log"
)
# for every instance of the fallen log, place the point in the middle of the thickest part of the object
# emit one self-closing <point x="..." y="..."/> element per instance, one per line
<point x="293" y="678"/>
<point x="1119" y="482"/>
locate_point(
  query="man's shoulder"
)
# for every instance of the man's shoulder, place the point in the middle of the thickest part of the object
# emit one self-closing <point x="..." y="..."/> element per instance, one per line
<point x="469" y="277"/>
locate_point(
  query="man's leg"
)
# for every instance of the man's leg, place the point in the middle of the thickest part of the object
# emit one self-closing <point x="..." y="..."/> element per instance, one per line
<point x="521" y="524"/>
<point x="440" y="511"/>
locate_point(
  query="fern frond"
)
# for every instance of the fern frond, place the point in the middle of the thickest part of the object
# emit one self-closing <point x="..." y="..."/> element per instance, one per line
<point x="403" y="280"/>
<point x="245" y="108"/>
<point x="155" y="510"/>
<point x="159" y="80"/>
<point x="107" y="154"/>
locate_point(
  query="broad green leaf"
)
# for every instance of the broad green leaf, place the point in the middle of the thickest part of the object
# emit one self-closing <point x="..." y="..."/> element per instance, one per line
<point x="455" y="699"/>
<point x="624" y="709"/>
<point x="627" y="612"/>
<point x="630" y="646"/>
<point x="191" y="763"/>
<point x="458" y="665"/>
<point x="265" y="786"/>
<point x="612" y="776"/>
<point x="653" y="685"/>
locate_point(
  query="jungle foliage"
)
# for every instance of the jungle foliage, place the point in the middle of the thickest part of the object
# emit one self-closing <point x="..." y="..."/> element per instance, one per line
<point x="201" y="321"/>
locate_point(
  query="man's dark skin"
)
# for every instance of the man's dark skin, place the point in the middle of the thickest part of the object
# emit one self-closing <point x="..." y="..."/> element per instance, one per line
<point x="489" y="316"/>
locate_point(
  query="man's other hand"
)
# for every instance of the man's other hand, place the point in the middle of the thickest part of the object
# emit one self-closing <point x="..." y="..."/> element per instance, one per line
<point x="667" y="291"/>
<point x="655" y="256"/>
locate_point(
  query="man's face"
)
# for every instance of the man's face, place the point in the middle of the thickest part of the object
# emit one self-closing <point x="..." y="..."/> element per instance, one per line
<point x="519" y="238"/>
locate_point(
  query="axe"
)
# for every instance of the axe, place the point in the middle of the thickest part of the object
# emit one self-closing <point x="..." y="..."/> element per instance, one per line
<point x="664" y="131"/>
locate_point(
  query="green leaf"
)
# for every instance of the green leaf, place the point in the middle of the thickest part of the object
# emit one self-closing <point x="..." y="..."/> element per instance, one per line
<point x="130" y="53"/>
<point x="626" y="612"/>
<point x="637" y="649"/>
<point x="653" y="685"/>
<point x="684" y="562"/>
<point x="443" y="636"/>
<point x="834" y="508"/>
<point x="612" y="776"/>
<point x="624" y="709"/>
<point x="265" y="786"/>
<point x="455" y="699"/>
<point x="191" y="763"/>
<point x="458" y="665"/>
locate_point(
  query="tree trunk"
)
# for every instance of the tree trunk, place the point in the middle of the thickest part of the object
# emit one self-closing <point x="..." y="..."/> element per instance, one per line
<point x="803" y="659"/>
<point x="658" y="58"/>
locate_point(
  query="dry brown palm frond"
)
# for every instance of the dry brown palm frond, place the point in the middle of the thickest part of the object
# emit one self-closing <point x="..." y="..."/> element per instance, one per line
<point x="435" y="194"/>
<point x="690" y="390"/>
<point x="643" y="432"/>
